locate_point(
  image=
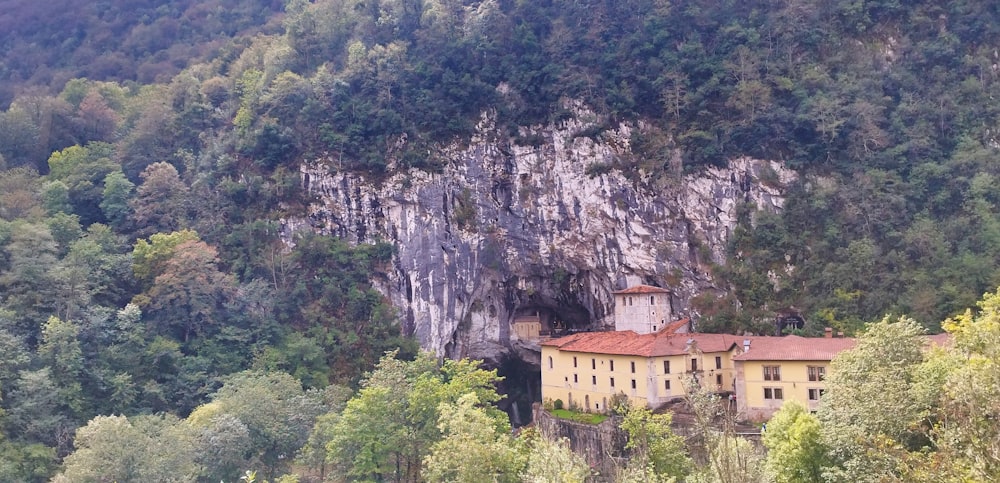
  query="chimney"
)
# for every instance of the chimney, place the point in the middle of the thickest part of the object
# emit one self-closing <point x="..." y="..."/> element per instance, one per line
<point x="828" y="332"/>
<point x="840" y="335"/>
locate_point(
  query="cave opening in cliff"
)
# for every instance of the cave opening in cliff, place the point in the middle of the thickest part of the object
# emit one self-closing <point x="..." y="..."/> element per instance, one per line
<point x="556" y="319"/>
<point x="521" y="387"/>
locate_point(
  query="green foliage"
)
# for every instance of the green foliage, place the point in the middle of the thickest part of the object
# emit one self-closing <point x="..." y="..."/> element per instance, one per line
<point x="150" y="256"/>
<point x="32" y="463"/>
<point x="272" y="408"/>
<point x="390" y="426"/>
<point x="475" y="446"/>
<point x="115" y="198"/>
<point x="552" y="461"/>
<point x="869" y="409"/>
<point x="580" y="417"/>
<point x="884" y="108"/>
<point x="731" y="458"/>
<point x="653" y="445"/>
<point x="82" y="170"/>
<point x="145" y="448"/>
<point x="795" y="452"/>
<point x="962" y="380"/>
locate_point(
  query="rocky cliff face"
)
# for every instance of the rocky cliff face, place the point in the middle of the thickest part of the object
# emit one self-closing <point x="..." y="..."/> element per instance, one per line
<point x="507" y="230"/>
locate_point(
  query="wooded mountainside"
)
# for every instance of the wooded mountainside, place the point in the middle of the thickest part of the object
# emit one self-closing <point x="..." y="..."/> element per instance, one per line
<point x="148" y="150"/>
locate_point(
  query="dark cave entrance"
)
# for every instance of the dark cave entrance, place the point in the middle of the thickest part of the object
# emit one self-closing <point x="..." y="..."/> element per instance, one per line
<point x="521" y="387"/>
<point x="556" y="320"/>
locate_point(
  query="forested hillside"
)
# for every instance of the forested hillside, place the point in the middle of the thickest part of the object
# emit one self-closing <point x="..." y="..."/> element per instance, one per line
<point x="148" y="152"/>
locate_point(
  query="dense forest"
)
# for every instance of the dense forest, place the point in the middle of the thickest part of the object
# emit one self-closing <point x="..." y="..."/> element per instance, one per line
<point x="147" y="152"/>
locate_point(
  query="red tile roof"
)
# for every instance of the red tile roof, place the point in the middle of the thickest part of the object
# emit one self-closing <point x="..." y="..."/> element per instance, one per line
<point x="674" y="326"/>
<point x="794" y="348"/>
<point x="628" y="343"/>
<point x="787" y="348"/>
<point x="940" y="340"/>
<point x="641" y="289"/>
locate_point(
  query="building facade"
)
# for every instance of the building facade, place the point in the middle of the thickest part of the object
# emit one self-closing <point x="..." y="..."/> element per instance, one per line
<point x="772" y="370"/>
<point x="586" y="370"/>
<point x="643" y="309"/>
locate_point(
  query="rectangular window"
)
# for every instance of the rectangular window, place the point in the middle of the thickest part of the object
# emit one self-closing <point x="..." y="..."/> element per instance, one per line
<point x="574" y="378"/>
<point x="612" y="382"/>
<point x="651" y="300"/>
<point x="718" y="362"/>
<point x="772" y="373"/>
<point x="550" y="362"/>
<point x="814" y="394"/>
<point x="774" y="393"/>
<point x="666" y="385"/>
<point x="593" y="380"/>
<point x="718" y="379"/>
<point x="817" y="373"/>
<point x="666" y="367"/>
<point x="778" y="393"/>
<point x="694" y="365"/>
<point x="633" y="367"/>
<point x="633" y="383"/>
<point x="574" y="361"/>
<point x="593" y="364"/>
<point x="612" y="362"/>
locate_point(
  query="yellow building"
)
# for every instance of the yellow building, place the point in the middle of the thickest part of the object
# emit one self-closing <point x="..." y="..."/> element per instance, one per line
<point x="772" y="370"/>
<point x="585" y="370"/>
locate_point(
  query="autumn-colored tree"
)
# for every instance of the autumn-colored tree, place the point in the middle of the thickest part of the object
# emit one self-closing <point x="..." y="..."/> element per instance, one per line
<point x="188" y="295"/>
<point x="161" y="203"/>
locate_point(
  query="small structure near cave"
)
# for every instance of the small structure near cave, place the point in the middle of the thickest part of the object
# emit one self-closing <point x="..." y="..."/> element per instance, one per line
<point x="528" y="326"/>
<point x="788" y="318"/>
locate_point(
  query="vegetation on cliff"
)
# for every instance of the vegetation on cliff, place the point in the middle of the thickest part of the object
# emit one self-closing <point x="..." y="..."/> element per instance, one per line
<point x="146" y="152"/>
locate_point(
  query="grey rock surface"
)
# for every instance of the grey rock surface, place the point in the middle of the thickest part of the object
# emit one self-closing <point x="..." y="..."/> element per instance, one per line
<point x="508" y="229"/>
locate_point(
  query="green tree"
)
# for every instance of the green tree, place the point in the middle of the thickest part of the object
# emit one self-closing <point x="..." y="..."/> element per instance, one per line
<point x="60" y="351"/>
<point x="795" y="453"/>
<point x="870" y="412"/>
<point x="145" y="448"/>
<point x="83" y="169"/>
<point x="37" y="413"/>
<point x="275" y="410"/>
<point x="552" y="461"/>
<point x="963" y="379"/>
<point x="652" y="443"/>
<point x="389" y="427"/>
<point x="55" y="197"/>
<point x="150" y="256"/>
<point x="475" y="446"/>
<point x="116" y="197"/>
<point x="27" y="287"/>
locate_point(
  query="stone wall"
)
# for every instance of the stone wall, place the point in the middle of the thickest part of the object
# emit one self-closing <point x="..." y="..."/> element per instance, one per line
<point x="601" y="445"/>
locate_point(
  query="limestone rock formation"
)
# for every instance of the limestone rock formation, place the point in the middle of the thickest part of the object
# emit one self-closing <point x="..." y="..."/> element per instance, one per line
<point x="508" y="229"/>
